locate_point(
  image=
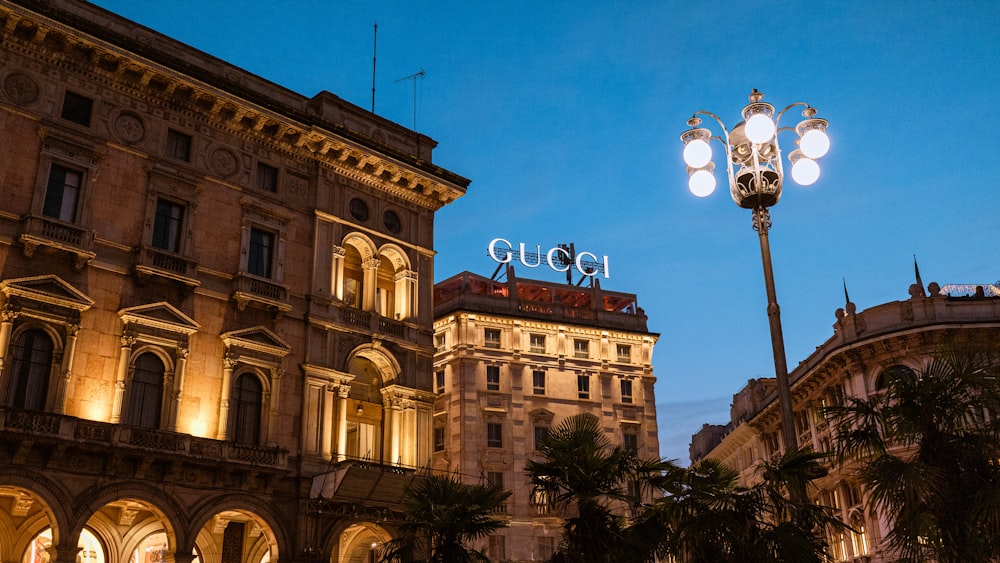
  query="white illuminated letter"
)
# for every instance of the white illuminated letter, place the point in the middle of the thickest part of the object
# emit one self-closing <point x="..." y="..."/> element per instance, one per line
<point x="607" y="269"/>
<point x="538" y="253"/>
<point x="493" y="251"/>
<point x="579" y="263"/>
<point x="552" y="263"/>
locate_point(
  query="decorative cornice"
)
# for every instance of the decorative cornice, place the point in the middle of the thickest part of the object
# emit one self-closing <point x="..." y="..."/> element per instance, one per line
<point x="236" y="101"/>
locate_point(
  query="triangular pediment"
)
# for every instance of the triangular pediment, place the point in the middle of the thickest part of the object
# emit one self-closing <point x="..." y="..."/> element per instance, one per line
<point x="49" y="289"/>
<point x="257" y="338"/>
<point x="161" y="315"/>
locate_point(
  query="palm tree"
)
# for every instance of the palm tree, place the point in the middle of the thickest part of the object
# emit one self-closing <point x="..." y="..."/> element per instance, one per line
<point x="582" y="471"/>
<point x="926" y="450"/>
<point x="441" y="515"/>
<point x="706" y="515"/>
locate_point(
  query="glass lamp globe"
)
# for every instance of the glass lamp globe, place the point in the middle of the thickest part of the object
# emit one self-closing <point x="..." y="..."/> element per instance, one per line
<point x="814" y="144"/>
<point x="697" y="153"/>
<point x="701" y="183"/>
<point x="759" y="128"/>
<point x="805" y="171"/>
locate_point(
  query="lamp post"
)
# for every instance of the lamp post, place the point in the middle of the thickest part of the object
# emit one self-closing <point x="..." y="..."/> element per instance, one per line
<point x="756" y="174"/>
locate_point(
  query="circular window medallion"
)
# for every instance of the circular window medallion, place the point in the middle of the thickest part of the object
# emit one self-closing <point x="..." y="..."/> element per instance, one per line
<point x="20" y="89"/>
<point x="224" y="162"/>
<point x="129" y="128"/>
<point x="392" y="222"/>
<point x="358" y="209"/>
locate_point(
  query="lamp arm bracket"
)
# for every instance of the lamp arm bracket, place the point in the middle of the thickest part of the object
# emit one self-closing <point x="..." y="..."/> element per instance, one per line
<point x="777" y="118"/>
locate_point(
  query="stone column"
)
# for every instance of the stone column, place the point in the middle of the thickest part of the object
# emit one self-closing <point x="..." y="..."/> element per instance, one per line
<point x="228" y="363"/>
<point x="327" y="434"/>
<point x="370" y="273"/>
<point x="406" y="294"/>
<point x="271" y="403"/>
<point x="180" y="358"/>
<point x="125" y="354"/>
<point x="337" y="273"/>
<point x="65" y="369"/>
<point x="7" y="317"/>
<point x="342" y="394"/>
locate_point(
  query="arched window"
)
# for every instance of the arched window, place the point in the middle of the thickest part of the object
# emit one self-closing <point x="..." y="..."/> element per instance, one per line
<point x="353" y="278"/>
<point x="30" y="370"/>
<point x="891" y="373"/>
<point x="145" y="398"/>
<point x="385" y="289"/>
<point x="245" y="408"/>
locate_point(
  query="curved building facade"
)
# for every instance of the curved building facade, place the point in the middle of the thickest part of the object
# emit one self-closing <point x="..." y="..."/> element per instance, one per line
<point x="866" y="346"/>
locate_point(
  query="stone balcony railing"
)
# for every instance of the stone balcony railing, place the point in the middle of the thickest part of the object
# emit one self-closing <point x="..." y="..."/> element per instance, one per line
<point x="46" y="231"/>
<point x="49" y="427"/>
<point x="261" y="292"/>
<point x="155" y="262"/>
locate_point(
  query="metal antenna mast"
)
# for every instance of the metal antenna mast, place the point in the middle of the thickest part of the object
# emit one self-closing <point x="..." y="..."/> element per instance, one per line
<point x="414" y="78"/>
<point x="374" y="53"/>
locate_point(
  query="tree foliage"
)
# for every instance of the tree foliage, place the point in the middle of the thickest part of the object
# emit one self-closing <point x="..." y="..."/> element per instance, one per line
<point x="700" y="514"/>
<point x="441" y="515"/>
<point x="927" y="449"/>
<point x="706" y="515"/>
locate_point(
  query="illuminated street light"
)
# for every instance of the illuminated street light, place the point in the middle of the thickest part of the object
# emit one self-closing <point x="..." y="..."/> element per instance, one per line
<point x="756" y="175"/>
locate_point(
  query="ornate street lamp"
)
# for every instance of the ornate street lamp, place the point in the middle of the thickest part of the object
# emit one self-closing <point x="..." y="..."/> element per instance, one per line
<point x="756" y="174"/>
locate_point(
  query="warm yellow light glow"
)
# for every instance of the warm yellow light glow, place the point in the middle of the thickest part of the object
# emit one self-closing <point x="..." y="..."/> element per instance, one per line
<point x="702" y="183"/>
<point x="697" y="153"/>
<point x="759" y="128"/>
<point x="805" y="171"/>
<point x="815" y="143"/>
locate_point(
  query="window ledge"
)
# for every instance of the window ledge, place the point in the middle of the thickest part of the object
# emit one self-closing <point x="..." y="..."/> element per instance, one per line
<point x="156" y="262"/>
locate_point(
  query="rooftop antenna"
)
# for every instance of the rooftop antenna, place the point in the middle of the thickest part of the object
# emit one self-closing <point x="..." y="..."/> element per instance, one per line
<point x="374" y="52"/>
<point x="414" y="78"/>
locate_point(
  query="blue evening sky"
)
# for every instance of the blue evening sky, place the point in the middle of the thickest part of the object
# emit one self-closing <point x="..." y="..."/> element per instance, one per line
<point x="566" y="116"/>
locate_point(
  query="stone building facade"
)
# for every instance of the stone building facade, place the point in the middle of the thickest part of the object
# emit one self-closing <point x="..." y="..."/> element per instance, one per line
<point x="895" y="337"/>
<point x="216" y="339"/>
<point x="516" y="358"/>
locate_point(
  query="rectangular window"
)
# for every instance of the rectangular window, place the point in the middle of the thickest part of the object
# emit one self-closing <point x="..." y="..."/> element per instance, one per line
<point x="492" y="378"/>
<point x="541" y="432"/>
<point x="630" y="441"/>
<point x="62" y="193"/>
<point x="439" y="439"/>
<point x="538" y="381"/>
<point x="167" y="225"/>
<point x="494" y="479"/>
<point x="440" y="341"/>
<point x="583" y="386"/>
<point x="581" y="348"/>
<point x="77" y="108"/>
<point x="178" y="145"/>
<point x="261" y="255"/>
<point x="497" y="548"/>
<point x="439" y="381"/>
<point x="538" y="343"/>
<point x="267" y="177"/>
<point x="626" y="391"/>
<point x="494" y="435"/>
<point x="624" y="353"/>
<point x="491" y="338"/>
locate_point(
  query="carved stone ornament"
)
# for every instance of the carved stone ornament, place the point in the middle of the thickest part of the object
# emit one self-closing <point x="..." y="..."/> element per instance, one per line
<point x="129" y="127"/>
<point x="224" y="162"/>
<point x="20" y="89"/>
